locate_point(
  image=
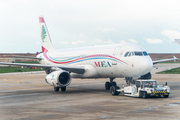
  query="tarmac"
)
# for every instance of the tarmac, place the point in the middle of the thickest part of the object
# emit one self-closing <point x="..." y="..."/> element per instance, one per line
<point x="29" y="97"/>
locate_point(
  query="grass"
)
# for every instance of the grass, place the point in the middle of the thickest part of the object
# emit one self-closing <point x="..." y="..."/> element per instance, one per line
<point x="172" y="71"/>
<point x="9" y="69"/>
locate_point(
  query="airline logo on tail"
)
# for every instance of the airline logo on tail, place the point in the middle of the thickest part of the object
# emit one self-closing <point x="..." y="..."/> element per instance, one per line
<point x="45" y="39"/>
<point x="43" y="33"/>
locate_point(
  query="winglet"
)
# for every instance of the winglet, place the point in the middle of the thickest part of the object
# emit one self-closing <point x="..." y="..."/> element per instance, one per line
<point x="175" y="58"/>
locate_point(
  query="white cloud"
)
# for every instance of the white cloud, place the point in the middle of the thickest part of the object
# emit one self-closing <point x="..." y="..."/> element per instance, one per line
<point x="123" y="41"/>
<point x="82" y="36"/>
<point x="109" y="41"/>
<point x="171" y="34"/>
<point x="105" y="29"/>
<point x="101" y="41"/>
<point x="129" y="41"/>
<point x="153" y="40"/>
<point x="98" y="40"/>
<point x="132" y="41"/>
<point x="64" y="42"/>
<point x="78" y="42"/>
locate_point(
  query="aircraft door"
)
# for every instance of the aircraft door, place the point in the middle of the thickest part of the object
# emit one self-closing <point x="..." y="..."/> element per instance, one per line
<point x="114" y="65"/>
<point x="116" y="51"/>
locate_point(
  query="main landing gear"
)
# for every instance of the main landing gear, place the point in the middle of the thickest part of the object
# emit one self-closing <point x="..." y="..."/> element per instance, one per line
<point x="56" y="89"/>
<point x="109" y="84"/>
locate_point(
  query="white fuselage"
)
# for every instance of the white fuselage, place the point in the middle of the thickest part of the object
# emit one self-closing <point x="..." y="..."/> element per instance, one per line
<point x="105" y="61"/>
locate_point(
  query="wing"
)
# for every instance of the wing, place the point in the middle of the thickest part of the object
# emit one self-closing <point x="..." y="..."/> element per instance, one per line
<point x="23" y="57"/>
<point x="75" y="69"/>
<point x="164" y="60"/>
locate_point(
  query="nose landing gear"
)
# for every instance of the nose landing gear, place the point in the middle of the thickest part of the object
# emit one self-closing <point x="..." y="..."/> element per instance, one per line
<point x="109" y="84"/>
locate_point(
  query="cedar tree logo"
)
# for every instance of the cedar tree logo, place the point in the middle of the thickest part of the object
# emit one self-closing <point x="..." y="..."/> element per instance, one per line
<point x="43" y="33"/>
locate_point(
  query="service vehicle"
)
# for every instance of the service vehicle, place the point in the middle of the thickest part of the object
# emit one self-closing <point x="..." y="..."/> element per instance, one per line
<point x="142" y="88"/>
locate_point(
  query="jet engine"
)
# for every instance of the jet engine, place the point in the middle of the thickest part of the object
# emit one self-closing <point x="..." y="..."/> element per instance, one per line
<point x="58" y="78"/>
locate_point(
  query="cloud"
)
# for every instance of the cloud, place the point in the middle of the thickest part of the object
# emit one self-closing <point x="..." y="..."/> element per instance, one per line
<point x="132" y="41"/>
<point x="123" y="41"/>
<point x="171" y="34"/>
<point x="105" y="29"/>
<point x="109" y="41"/>
<point x="101" y="41"/>
<point x="98" y="40"/>
<point x="78" y="42"/>
<point x="82" y="36"/>
<point x="153" y="40"/>
<point x="64" y="42"/>
<point x="129" y="41"/>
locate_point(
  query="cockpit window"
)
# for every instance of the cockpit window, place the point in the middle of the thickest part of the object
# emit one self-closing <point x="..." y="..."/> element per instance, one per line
<point x="138" y="54"/>
<point x="131" y="54"/>
<point x="145" y="53"/>
<point x="135" y="53"/>
<point x="126" y="54"/>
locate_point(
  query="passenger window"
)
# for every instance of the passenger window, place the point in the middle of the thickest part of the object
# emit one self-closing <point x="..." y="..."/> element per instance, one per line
<point x="145" y="53"/>
<point x="126" y="54"/>
<point x="138" y="54"/>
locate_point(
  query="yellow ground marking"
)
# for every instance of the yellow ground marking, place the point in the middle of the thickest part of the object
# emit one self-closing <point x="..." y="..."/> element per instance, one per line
<point x="19" y="81"/>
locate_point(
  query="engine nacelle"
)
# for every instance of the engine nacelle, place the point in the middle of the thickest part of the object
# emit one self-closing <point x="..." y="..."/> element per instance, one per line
<point x="58" y="78"/>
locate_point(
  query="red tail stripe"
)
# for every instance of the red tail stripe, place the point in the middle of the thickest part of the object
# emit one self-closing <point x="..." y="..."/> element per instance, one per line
<point x="41" y="20"/>
<point x="44" y="49"/>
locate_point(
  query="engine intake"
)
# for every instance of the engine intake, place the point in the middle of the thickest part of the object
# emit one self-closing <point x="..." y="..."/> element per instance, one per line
<point x="58" y="78"/>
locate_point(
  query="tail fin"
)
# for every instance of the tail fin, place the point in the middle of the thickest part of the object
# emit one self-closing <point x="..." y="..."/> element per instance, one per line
<point x="45" y="38"/>
<point x="178" y="41"/>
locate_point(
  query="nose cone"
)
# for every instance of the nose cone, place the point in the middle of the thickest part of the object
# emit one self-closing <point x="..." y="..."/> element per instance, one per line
<point x="145" y="65"/>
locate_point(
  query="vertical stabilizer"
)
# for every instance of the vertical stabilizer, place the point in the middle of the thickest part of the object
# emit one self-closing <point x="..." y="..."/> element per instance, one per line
<point x="178" y="41"/>
<point x="45" y="38"/>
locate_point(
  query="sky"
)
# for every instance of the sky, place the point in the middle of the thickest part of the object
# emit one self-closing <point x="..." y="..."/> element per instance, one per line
<point x="152" y="24"/>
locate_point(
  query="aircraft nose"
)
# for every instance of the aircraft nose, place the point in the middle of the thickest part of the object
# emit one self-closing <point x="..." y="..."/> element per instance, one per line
<point x="145" y="65"/>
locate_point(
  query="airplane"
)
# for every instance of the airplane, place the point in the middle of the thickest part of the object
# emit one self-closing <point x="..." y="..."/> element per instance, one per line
<point x="178" y="41"/>
<point x="127" y="61"/>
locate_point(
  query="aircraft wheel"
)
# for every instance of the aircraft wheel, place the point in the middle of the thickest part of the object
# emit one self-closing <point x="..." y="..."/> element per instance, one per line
<point x="144" y="95"/>
<point x="56" y="89"/>
<point x="63" y="89"/>
<point x="113" y="84"/>
<point x="107" y="85"/>
<point x="166" y="96"/>
<point x="113" y="90"/>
